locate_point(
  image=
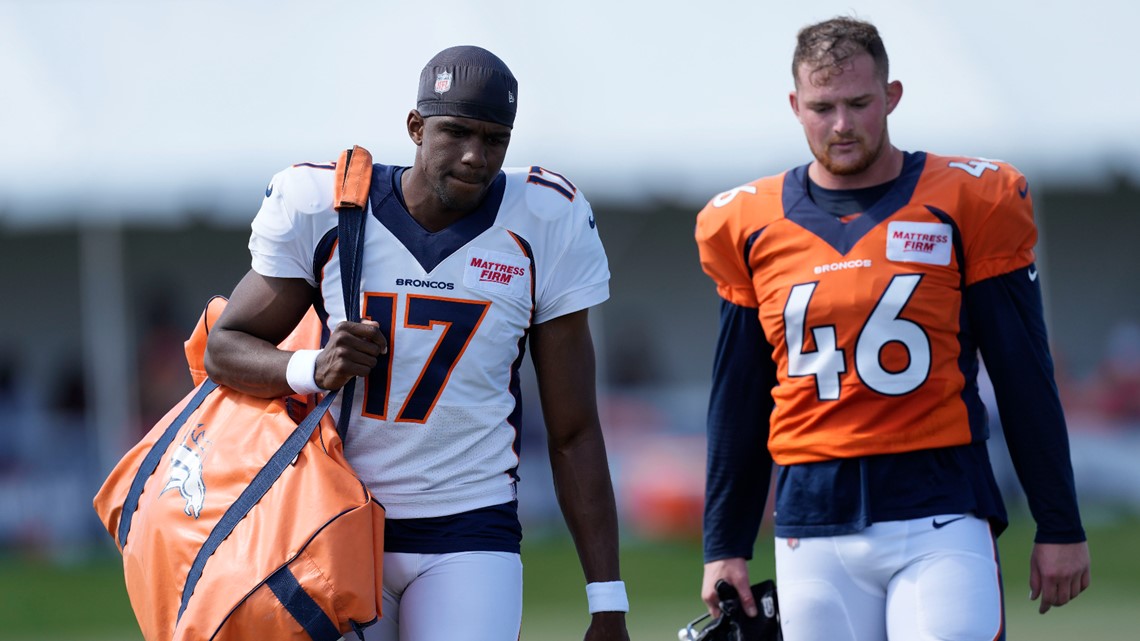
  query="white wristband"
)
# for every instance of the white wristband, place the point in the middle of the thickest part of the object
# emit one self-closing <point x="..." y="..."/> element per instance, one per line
<point x="302" y="371"/>
<point x="607" y="596"/>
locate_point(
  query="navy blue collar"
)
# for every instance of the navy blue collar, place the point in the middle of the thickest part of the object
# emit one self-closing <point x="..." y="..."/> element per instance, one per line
<point x="800" y="209"/>
<point x="429" y="248"/>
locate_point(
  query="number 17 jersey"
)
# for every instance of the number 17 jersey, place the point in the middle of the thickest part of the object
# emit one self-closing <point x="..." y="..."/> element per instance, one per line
<point x="435" y="425"/>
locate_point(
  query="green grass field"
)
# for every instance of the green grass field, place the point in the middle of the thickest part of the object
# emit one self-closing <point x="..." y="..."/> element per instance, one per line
<point x="41" y="601"/>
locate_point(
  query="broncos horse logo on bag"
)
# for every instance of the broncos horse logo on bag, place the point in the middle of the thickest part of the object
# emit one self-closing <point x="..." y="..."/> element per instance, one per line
<point x="186" y="473"/>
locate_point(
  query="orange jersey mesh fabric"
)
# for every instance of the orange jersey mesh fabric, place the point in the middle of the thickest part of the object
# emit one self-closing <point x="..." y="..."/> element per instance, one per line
<point x="864" y="314"/>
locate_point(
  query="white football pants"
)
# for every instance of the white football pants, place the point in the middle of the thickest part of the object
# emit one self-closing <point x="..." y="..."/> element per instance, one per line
<point x="928" y="578"/>
<point x="463" y="596"/>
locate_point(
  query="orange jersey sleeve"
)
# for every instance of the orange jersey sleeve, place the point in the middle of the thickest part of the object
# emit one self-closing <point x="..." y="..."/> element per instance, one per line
<point x="724" y="229"/>
<point x="994" y="209"/>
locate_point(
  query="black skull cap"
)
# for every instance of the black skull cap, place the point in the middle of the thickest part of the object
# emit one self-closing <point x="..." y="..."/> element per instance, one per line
<point x="468" y="82"/>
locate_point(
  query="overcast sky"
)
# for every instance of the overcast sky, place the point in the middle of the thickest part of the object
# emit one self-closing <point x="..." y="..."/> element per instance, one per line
<point x="128" y="107"/>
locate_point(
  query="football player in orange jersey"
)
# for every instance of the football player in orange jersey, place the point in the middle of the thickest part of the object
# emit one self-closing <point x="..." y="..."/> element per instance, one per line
<point x="858" y="292"/>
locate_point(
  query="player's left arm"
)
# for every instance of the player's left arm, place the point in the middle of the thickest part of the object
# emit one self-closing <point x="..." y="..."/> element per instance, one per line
<point x="1006" y="317"/>
<point x="563" y="354"/>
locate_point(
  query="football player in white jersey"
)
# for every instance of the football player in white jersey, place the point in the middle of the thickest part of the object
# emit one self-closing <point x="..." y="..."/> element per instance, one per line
<point x="463" y="263"/>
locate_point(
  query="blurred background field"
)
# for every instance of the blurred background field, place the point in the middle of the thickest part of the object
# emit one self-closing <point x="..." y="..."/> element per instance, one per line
<point x="85" y="600"/>
<point x="130" y="179"/>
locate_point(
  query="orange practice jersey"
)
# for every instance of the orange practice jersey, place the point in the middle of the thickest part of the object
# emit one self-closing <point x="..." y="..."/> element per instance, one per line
<point x="864" y="314"/>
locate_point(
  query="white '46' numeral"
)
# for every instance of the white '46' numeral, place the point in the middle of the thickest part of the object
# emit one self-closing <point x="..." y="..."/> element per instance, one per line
<point x="974" y="167"/>
<point x="884" y="326"/>
<point x="826" y="363"/>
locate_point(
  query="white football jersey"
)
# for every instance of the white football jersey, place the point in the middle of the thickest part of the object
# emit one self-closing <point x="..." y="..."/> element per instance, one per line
<point x="435" y="426"/>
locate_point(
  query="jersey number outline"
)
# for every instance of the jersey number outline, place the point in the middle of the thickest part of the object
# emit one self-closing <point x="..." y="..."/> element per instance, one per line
<point x="460" y="319"/>
<point x="553" y="180"/>
<point x="725" y="197"/>
<point x="882" y="327"/>
<point x="975" y="167"/>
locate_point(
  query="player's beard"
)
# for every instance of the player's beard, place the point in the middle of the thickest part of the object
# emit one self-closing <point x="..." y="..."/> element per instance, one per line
<point x="850" y="167"/>
<point x="456" y="200"/>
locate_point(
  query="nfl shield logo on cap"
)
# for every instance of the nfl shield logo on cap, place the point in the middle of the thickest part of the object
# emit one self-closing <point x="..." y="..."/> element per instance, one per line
<point x="443" y="82"/>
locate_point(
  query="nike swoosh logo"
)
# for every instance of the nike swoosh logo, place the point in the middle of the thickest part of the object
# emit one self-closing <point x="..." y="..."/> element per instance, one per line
<point x="1023" y="191"/>
<point x="592" y="223"/>
<point x="938" y="525"/>
<point x="1032" y="274"/>
<point x="269" y="190"/>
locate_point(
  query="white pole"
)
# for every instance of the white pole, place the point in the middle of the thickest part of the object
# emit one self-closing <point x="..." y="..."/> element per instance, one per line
<point x="107" y="344"/>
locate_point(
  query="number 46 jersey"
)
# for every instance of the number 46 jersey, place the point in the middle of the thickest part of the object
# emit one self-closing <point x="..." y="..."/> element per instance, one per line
<point x="435" y="426"/>
<point x="865" y="316"/>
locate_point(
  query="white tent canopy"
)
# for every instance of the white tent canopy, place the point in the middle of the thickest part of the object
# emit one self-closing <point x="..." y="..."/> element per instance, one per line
<point x="122" y="109"/>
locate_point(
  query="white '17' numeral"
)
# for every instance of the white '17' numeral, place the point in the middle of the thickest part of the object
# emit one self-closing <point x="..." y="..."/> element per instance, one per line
<point x="883" y="326"/>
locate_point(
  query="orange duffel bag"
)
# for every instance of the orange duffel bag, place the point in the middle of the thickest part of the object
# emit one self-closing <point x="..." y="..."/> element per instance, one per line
<point x="235" y="522"/>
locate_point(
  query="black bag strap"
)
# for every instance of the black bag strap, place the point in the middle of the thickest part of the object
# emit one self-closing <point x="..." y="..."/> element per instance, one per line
<point x="301" y="606"/>
<point x="354" y="174"/>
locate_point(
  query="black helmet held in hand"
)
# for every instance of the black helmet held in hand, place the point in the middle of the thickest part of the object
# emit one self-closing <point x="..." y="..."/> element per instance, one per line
<point x="733" y="624"/>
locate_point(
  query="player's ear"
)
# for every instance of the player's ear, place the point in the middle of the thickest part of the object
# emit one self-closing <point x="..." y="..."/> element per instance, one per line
<point x="894" y="95"/>
<point x="794" y="101"/>
<point x="416" y="127"/>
